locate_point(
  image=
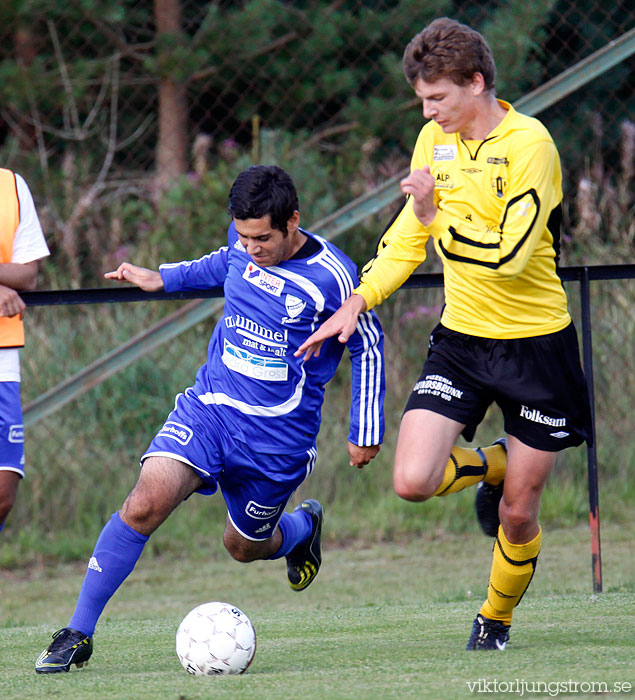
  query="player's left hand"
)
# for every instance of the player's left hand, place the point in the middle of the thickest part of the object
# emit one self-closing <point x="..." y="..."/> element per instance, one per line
<point x="360" y="456"/>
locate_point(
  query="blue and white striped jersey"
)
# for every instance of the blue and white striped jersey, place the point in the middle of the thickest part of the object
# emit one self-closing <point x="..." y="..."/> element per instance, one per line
<point x="271" y="399"/>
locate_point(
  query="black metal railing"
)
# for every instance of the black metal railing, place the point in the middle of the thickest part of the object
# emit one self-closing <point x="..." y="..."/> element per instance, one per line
<point x="90" y="376"/>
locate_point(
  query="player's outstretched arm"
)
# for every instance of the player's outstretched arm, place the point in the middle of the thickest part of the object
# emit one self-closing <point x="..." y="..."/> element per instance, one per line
<point x="342" y="323"/>
<point x="360" y="456"/>
<point x="148" y="280"/>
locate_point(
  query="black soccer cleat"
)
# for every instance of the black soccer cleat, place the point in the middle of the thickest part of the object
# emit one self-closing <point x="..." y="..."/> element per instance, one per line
<point x="68" y="647"/>
<point x="488" y="634"/>
<point x="304" y="560"/>
<point x="488" y="499"/>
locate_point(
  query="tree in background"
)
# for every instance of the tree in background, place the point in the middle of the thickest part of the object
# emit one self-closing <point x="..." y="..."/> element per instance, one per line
<point x="102" y="101"/>
<point x="171" y="155"/>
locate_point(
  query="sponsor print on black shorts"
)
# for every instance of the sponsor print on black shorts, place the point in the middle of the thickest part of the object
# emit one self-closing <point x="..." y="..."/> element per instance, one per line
<point x="437" y="385"/>
<point x="535" y="416"/>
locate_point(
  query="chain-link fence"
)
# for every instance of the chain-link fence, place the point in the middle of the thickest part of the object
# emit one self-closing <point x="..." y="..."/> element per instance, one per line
<point x="130" y="120"/>
<point x="83" y="458"/>
<point x="105" y="106"/>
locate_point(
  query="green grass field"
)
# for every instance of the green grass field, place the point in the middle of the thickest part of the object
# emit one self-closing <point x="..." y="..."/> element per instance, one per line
<point x="383" y="621"/>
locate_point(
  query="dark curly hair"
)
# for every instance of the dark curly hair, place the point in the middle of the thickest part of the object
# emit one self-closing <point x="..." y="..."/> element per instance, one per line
<point x="262" y="190"/>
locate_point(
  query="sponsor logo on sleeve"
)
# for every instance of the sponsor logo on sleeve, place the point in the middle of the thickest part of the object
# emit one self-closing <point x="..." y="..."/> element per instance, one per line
<point x="176" y="431"/>
<point x="263" y="280"/>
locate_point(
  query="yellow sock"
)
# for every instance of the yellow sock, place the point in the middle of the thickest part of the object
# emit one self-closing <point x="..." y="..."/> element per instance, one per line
<point x="467" y="467"/>
<point x="513" y="566"/>
<point x="496" y="459"/>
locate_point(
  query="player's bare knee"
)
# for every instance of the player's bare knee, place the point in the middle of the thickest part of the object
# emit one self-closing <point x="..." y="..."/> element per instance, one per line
<point x="143" y="513"/>
<point x="241" y="554"/>
<point x="239" y="548"/>
<point x="413" y="489"/>
<point x="516" y="520"/>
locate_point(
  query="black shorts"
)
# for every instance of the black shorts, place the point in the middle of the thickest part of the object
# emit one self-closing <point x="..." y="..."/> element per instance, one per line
<point x="537" y="382"/>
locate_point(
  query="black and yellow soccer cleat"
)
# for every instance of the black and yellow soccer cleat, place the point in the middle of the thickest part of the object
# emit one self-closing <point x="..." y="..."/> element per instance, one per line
<point x="488" y="499"/>
<point x="488" y="635"/>
<point x="68" y="647"/>
<point x="304" y="560"/>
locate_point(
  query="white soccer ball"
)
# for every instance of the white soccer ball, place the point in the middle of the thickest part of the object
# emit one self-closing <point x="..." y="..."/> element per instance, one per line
<point x="215" y="638"/>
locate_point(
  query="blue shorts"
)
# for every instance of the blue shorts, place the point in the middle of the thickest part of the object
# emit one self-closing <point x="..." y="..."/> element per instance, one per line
<point x="11" y="428"/>
<point x="256" y="486"/>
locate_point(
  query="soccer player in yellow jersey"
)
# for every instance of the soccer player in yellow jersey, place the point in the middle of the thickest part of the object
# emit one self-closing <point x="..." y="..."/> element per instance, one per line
<point x="485" y="186"/>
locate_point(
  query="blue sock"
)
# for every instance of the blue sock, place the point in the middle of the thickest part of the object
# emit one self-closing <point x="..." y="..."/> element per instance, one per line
<point x="1" y="526"/>
<point x="114" y="557"/>
<point x="295" y="527"/>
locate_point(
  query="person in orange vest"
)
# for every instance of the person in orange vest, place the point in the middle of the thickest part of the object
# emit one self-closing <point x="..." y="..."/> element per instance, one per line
<point x="22" y="244"/>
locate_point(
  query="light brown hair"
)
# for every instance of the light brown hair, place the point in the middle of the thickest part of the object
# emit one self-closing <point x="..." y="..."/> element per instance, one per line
<point x="448" y="49"/>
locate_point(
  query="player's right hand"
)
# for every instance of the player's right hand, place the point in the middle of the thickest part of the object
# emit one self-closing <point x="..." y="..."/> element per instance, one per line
<point x="360" y="455"/>
<point x="419" y="184"/>
<point x="148" y="280"/>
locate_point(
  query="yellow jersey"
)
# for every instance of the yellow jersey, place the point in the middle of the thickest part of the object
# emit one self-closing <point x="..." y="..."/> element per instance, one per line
<point x="496" y="230"/>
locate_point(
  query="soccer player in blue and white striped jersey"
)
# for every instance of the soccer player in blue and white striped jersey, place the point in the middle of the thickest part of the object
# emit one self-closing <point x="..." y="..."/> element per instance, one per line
<point x="250" y="421"/>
